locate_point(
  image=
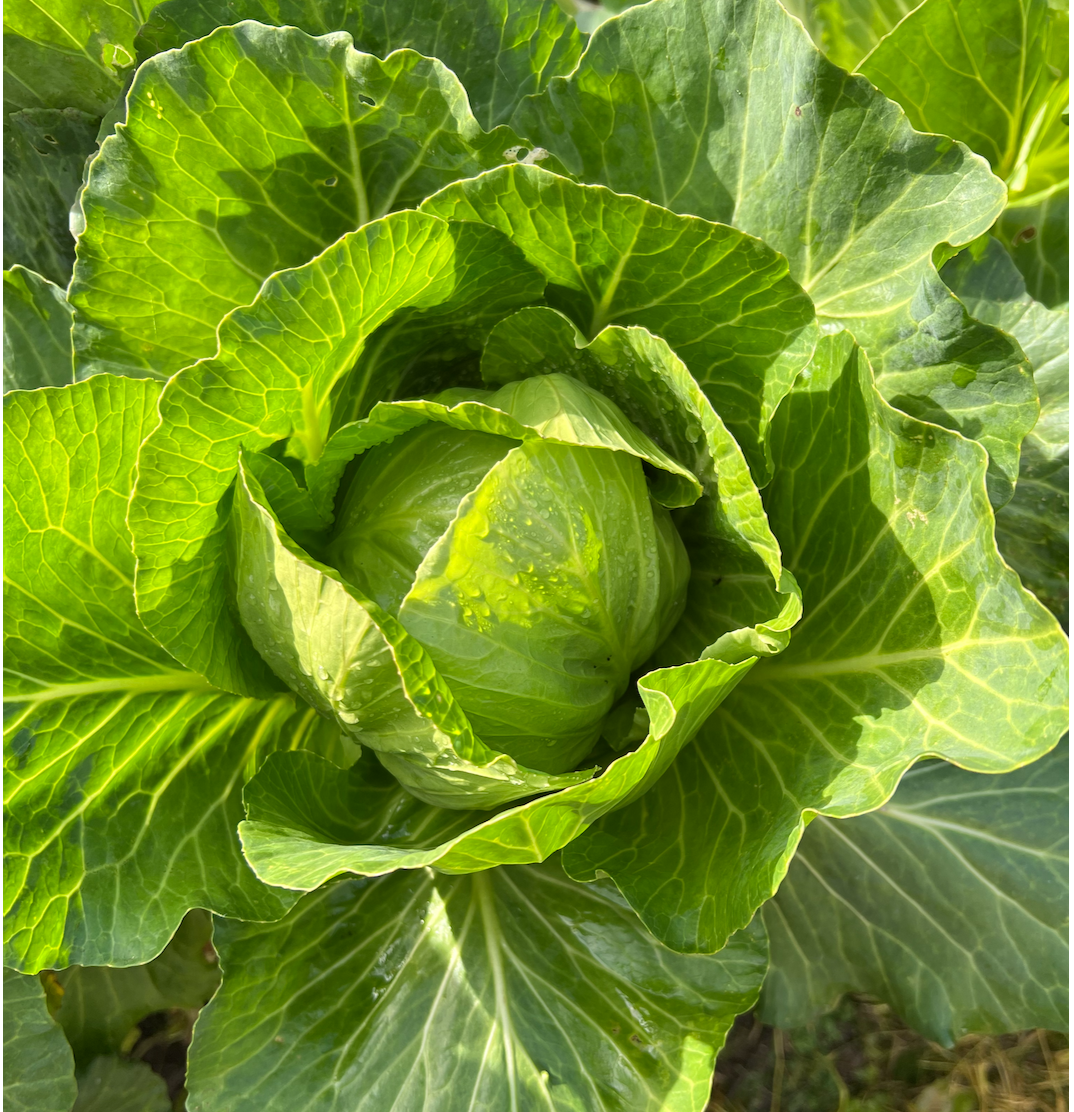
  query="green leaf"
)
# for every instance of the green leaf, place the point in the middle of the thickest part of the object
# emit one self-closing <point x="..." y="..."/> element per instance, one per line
<point x="123" y="772"/>
<point x="993" y="74"/>
<point x="549" y="580"/>
<point x="950" y="903"/>
<point x="98" y="1005"/>
<point x="846" y="30"/>
<point x="298" y="837"/>
<point x="356" y="663"/>
<point x="39" y="1071"/>
<point x="1032" y="529"/>
<point x="45" y="151"/>
<point x="977" y="71"/>
<point x="113" y="1084"/>
<point x="297" y="140"/>
<point x="67" y="54"/>
<point x="310" y="325"/>
<point x="502" y="50"/>
<point x="552" y="407"/>
<point x="731" y="548"/>
<point x="1038" y="238"/>
<point x="37" y="332"/>
<point x="670" y="103"/>
<point x="916" y="640"/>
<point x="510" y="989"/>
<point x="723" y="301"/>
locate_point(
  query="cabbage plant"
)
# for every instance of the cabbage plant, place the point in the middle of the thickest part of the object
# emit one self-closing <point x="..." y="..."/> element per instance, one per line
<point x="476" y="492"/>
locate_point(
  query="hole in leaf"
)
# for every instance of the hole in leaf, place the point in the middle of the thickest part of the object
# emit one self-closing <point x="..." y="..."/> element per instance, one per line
<point x="1025" y="235"/>
<point x="367" y="100"/>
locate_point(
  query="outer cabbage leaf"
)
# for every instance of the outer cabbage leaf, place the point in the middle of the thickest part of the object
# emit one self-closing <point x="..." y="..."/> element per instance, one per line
<point x="916" y="640"/>
<point x="993" y="74"/>
<point x="670" y="102"/>
<point x="37" y="332"/>
<point x="950" y="903"/>
<point x="1037" y="234"/>
<point x="279" y="362"/>
<point x="113" y="1084"/>
<point x="39" y="1070"/>
<point x="45" y="151"/>
<point x="510" y="989"/>
<point x="501" y="50"/>
<point x="98" y="1005"/>
<point x="1032" y="529"/>
<point x="68" y="54"/>
<point x="722" y="300"/>
<point x="296" y="141"/>
<point x="846" y="30"/>
<point x="123" y="771"/>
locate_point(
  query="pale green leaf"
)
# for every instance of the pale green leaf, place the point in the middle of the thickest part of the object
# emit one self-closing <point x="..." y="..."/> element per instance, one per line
<point x="722" y="301"/>
<point x="512" y="989"/>
<point x="916" y="640"/>
<point x="650" y="384"/>
<point x="68" y="54"/>
<point x="98" y="1005"/>
<point x="37" y="332"/>
<point x="356" y="663"/>
<point x="502" y="50"/>
<point x="552" y="407"/>
<point x="310" y="325"/>
<point x="123" y="772"/>
<point x="542" y="597"/>
<point x="677" y="102"/>
<point x="113" y="1084"/>
<point x="45" y="151"/>
<point x="297" y="835"/>
<point x="39" y="1071"/>
<point x="1033" y="528"/>
<point x="949" y="903"/>
<point x="296" y="141"/>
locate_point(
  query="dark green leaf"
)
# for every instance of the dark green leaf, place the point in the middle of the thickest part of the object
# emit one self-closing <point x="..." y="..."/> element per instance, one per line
<point x="113" y="1084"/>
<point x="502" y="50"/>
<point x="37" y="332"/>
<point x="1032" y="529"/>
<point x="511" y="989"/>
<point x="45" y="151"/>
<point x="39" y="1071"/>
<point x="99" y="1005"/>
<point x="950" y="903"/>
<point x="67" y="54"/>
<point x="1038" y="238"/>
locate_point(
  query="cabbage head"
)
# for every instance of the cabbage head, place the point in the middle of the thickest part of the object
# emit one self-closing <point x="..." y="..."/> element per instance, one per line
<point x="477" y="493"/>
